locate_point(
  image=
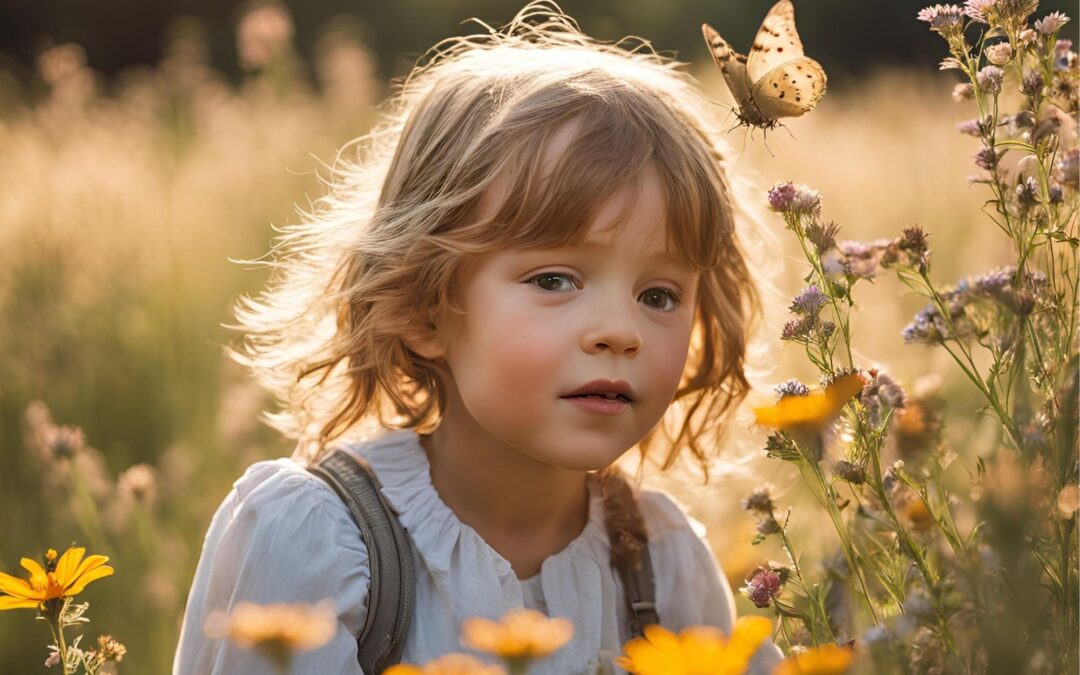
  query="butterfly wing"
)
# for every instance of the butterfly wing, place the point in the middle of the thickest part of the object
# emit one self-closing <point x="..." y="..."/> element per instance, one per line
<point x="789" y="90"/>
<point x="733" y="67"/>
<point x="776" y="41"/>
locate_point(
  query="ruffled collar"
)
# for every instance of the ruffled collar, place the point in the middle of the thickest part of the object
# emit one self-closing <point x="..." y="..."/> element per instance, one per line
<point x="404" y="472"/>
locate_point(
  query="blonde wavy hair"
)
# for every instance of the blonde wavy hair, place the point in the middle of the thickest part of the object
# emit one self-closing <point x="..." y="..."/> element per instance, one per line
<point x="376" y="258"/>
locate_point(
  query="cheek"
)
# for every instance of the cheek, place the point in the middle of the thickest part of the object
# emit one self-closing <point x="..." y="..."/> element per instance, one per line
<point x="667" y="363"/>
<point x="517" y="349"/>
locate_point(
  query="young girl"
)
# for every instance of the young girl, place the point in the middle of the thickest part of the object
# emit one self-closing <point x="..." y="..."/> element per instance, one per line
<point x="543" y="223"/>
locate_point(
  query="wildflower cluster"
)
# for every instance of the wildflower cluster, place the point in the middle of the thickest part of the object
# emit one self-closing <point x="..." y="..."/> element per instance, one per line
<point x="922" y="589"/>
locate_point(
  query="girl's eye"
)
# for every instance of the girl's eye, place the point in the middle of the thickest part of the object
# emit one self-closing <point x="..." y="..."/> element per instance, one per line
<point x="544" y="281"/>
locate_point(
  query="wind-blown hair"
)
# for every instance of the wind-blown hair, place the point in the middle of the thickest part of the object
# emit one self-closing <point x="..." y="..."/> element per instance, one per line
<point x="376" y="259"/>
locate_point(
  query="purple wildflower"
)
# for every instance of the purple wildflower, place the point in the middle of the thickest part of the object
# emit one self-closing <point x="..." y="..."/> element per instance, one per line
<point x="1056" y="196"/>
<point x="798" y="330"/>
<point x="963" y="91"/>
<point x="763" y="587"/>
<point x="946" y="20"/>
<point x="1027" y="192"/>
<point x="1032" y="84"/>
<point x="809" y="302"/>
<point x="794" y="199"/>
<point x="928" y="327"/>
<point x="995" y="279"/>
<point x="970" y="128"/>
<point x="1064" y="56"/>
<point x="977" y="9"/>
<point x="990" y="79"/>
<point x="791" y="387"/>
<point x="1051" y="23"/>
<point x="986" y="158"/>
<point x="882" y="393"/>
<point x="759" y="501"/>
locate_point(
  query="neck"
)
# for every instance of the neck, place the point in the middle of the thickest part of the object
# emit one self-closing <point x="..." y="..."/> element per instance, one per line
<point x="523" y="508"/>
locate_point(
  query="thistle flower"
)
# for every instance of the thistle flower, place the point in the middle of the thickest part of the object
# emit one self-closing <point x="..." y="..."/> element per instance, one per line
<point x="762" y="587"/>
<point x="799" y="330"/>
<point x="759" y="501"/>
<point x="852" y="473"/>
<point x="1056" y="195"/>
<point x="1032" y="84"/>
<point x="970" y="128"/>
<point x="791" y="387"/>
<point x="946" y="20"/>
<point x="999" y="53"/>
<point x="792" y="199"/>
<point x="964" y="91"/>
<point x="809" y="302"/>
<point x="911" y="248"/>
<point x="928" y="327"/>
<point x="822" y="236"/>
<point x="987" y="159"/>
<point x="1051" y="23"/>
<point x="990" y="79"/>
<point x="521" y="636"/>
<point x="1027" y="192"/>
<point x="696" y="649"/>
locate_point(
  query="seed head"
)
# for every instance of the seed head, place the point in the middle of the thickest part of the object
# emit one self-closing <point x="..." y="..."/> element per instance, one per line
<point x="762" y="587"/>
<point x="999" y="53"/>
<point x="852" y="473"/>
<point x="990" y="79"/>
<point x="970" y="128"/>
<point x="1027" y="192"/>
<point x="1032" y="84"/>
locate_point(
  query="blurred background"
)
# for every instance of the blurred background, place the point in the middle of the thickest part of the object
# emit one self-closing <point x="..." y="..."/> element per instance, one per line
<point x="146" y="144"/>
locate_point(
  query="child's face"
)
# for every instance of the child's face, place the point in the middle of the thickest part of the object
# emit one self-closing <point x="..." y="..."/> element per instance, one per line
<point x="539" y="324"/>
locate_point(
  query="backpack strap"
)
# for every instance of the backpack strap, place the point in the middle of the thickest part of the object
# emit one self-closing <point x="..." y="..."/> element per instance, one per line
<point x="640" y="593"/>
<point x="629" y="549"/>
<point x="391" y="597"/>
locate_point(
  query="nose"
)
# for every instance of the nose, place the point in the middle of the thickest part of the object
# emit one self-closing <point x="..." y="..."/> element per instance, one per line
<point x="614" y="328"/>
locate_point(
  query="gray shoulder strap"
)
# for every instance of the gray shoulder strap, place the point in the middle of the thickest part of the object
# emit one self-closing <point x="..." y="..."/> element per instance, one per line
<point x="392" y="594"/>
<point x="639" y="589"/>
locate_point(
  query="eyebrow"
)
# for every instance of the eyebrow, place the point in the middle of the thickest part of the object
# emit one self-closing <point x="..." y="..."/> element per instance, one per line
<point x="663" y="256"/>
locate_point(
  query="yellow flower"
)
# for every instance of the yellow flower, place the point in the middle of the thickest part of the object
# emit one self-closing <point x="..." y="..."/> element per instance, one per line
<point x="522" y="634"/>
<point x="69" y="578"/>
<point x="450" y="664"/>
<point x="916" y="512"/>
<point x="697" y="650"/>
<point x="277" y="629"/>
<point x="813" y="411"/>
<point x="830" y="659"/>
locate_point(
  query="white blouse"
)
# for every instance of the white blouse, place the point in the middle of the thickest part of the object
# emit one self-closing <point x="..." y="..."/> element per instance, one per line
<point x="282" y="535"/>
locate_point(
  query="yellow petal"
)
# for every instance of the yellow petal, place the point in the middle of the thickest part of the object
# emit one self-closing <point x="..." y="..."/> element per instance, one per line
<point x="68" y="563"/>
<point x="7" y="602"/>
<point x="92" y="575"/>
<point x="16" y="587"/>
<point x="91" y="563"/>
<point x="403" y="670"/>
<point x="37" y="572"/>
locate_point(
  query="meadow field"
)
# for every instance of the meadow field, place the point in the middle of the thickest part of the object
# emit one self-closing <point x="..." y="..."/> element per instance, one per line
<point x="123" y="206"/>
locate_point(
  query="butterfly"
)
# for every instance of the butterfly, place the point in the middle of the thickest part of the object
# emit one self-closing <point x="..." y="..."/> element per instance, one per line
<point x="814" y="411"/>
<point x="776" y="80"/>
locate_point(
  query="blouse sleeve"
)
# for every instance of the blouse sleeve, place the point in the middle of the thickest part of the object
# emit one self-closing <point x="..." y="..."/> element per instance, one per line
<point x="281" y="535"/>
<point x="691" y="587"/>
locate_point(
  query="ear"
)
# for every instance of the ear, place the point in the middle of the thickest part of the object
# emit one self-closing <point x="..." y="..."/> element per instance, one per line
<point x="423" y="338"/>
